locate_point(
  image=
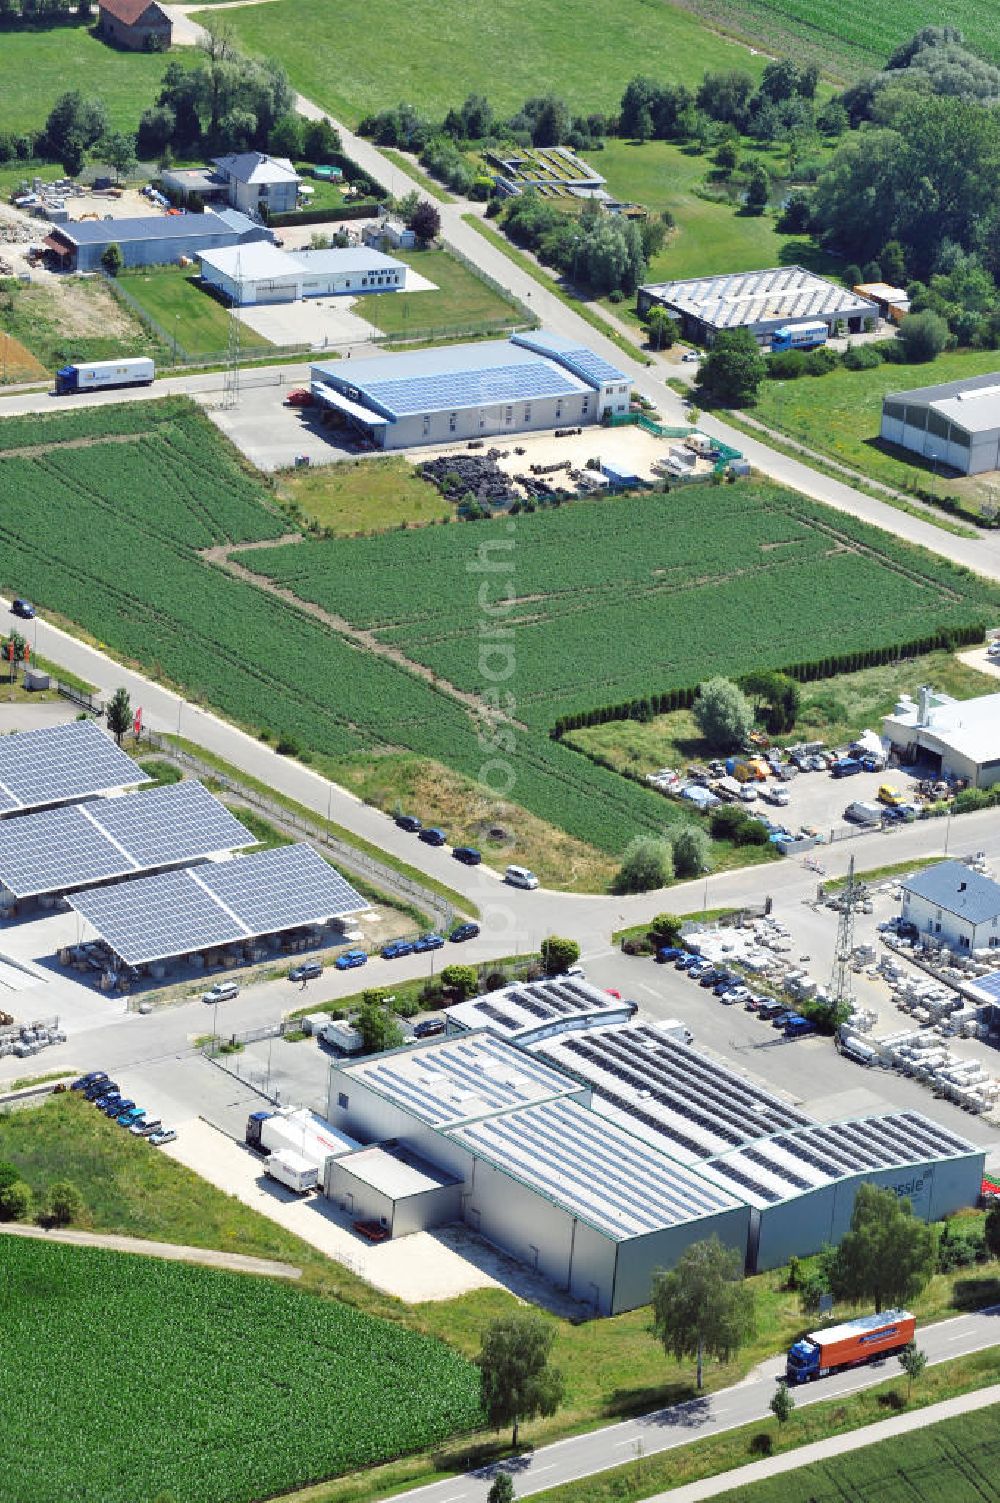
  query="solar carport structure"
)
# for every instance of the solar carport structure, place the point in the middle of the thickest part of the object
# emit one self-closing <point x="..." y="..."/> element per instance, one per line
<point x="179" y="913"/>
<point x="801" y="1186"/>
<point x="62" y="764"/>
<point x="80" y="845"/>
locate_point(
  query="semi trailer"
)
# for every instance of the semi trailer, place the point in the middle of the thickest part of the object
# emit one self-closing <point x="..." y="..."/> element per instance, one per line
<point x="293" y="1171"/>
<point x="100" y="375"/>
<point x="298" y="1130"/>
<point x="849" y="1345"/>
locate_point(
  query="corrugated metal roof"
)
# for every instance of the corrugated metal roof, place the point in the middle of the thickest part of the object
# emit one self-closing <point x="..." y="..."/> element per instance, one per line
<point x="957" y="889"/>
<point x="259" y="261"/>
<point x="751" y="297"/>
<point x="578" y="358"/>
<point x="144" y="227"/>
<point x="593" y="1169"/>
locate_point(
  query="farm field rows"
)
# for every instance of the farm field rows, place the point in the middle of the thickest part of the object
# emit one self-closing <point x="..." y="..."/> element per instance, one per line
<point x="236" y="1387"/>
<point x="510" y="51"/>
<point x="954" y="1461"/>
<point x="839" y="414"/>
<point x="613" y="599"/>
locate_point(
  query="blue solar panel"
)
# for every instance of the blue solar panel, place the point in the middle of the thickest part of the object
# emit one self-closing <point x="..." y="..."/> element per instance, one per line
<point x="62" y="763"/>
<point x="505" y="383"/>
<point x="990" y="985"/>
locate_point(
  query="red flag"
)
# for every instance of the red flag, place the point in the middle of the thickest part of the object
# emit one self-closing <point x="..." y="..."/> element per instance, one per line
<point x="137" y="722"/>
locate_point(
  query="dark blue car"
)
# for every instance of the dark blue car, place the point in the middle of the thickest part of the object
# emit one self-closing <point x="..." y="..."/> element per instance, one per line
<point x="408" y="822"/>
<point x="94" y="1078"/>
<point x="668" y="952"/>
<point x="396" y="948"/>
<point x="350" y="960"/>
<point x="428" y="942"/>
<point x="463" y="932"/>
<point x="468" y="855"/>
<point x="433" y="836"/>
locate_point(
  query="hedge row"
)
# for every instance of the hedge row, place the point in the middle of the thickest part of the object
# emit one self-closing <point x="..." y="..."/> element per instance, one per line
<point x="322" y="216"/>
<point x="949" y="637"/>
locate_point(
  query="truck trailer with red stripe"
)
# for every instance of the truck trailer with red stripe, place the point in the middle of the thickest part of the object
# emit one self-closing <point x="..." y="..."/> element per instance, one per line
<point x="849" y="1345"/>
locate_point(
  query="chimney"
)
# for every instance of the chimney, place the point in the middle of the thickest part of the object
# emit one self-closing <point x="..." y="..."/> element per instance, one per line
<point x="962" y="886"/>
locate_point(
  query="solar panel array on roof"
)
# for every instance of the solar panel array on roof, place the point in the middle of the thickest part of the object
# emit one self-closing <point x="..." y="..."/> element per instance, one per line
<point x="460" y="1078"/>
<point x="434" y="393"/>
<point x="174" y="913"/>
<point x="60" y="764"/>
<point x="524" y="1008"/>
<point x="76" y="845"/>
<point x="590" y="1167"/>
<point x="785" y="292"/>
<point x="691" y="1105"/>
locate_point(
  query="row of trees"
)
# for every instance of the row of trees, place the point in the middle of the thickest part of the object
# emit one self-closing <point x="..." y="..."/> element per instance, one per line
<point x="607" y="253"/>
<point x="653" y="861"/>
<point x="60" y="1205"/>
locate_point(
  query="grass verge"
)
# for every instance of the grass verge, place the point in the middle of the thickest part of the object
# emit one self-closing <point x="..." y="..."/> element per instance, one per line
<point x="884" y="873"/>
<point x="196" y="322"/>
<point x="412" y="168"/>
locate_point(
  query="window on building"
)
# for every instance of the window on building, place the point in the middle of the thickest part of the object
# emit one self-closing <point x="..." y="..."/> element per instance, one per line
<point x="960" y="437"/>
<point x="623" y="389"/>
<point x="427" y="424"/>
<point x="508" y="415"/>
<point x="937" y="424"/>
<point x="963" y="943"/>
<point x="915" y="417"/>
<point x="893" y="410"/>
<point x="453" y="422"/>
<point x="364" y="281"/>
<point x="527" y="412"/>
<point x="558" y="411"/>
<point x="342" y="1101"/>
<point x="585" y="407"/>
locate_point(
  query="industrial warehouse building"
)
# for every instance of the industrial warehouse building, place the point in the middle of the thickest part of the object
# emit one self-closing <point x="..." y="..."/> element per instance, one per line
<point x="596" y="1150"/>
<point x="955" y="424"/>
<point x="262" y="273"/>
<point x="955" y="904"/>
<point x="150" y="240"/>
<point x="952" y="738"/>
<point x="530" y="381"/>
<point x="761" y="301"/>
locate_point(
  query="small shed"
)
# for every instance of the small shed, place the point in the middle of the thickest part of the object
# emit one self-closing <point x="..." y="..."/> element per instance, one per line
<point x="391" y="1185"/>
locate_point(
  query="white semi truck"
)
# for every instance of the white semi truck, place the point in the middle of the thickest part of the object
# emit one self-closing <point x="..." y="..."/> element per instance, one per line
<point x="294" y="1171"/>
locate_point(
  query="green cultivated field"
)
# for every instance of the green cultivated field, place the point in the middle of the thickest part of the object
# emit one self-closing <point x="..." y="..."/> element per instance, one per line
<point x="954" y="1461"/>
<point x="215" y="1387"/>
<point x="40" y="65"/>
<point x="356" y="57"/>
<point x="611" y="600"/>
<point x="840" y="415"/>
<point x="461" y="303"/>
<point x="198" y="321"/>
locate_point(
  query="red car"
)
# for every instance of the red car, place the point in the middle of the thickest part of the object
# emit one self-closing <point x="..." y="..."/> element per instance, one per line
<point x="300" y="398"/>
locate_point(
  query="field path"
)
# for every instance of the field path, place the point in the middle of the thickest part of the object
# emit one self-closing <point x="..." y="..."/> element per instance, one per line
<point x="232" y="1262"/>
<point x="222" y="557"/>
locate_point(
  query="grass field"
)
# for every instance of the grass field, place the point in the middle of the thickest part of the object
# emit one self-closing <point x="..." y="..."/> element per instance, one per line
<point x="711" y="236"/>
<point x="363" y="495"/>
<point x="194" y="321"/>
<point x="39" y="65"/>
<point x="956" y="1459"/>
<point x="834" y="710"/>
<point x="73" y="319"/>
<point x="509" y="50"/>
<point x="461" y="303"/>
<point x="208" y="1346"/>
<point x="610" y="600"/>
<point x="839" y="415"/>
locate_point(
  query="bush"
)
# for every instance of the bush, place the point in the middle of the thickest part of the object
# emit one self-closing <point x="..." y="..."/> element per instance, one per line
<point x="15" y="1200"/>
<point x="861" y="357"/>
<point x="723" y="714"/>
<point x="923" y="336"/>
<point x="691" y="851"/>
<point x="820" y="362"/>
<point x="62" y="1206"/>
<point x="648" y="863"/>
<point x="461" y="978"/>
<point x="559" y="954"/>
<point x="786" y="365"/>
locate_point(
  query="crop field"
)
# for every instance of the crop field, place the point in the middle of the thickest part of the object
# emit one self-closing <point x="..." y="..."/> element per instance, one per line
<point x="954" y="1461"/>
<point x="509" y="50"/>
<point x="215" y="1387"/>
<point x="610" y="599"/>
<point x="840" y="414"/>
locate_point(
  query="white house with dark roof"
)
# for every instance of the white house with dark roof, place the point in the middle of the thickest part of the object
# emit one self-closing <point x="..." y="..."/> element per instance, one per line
<point x="256" y="181"/>
<point x="954" y="904"/>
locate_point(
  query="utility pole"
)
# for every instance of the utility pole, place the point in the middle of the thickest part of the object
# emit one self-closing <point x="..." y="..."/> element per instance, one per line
<point x="840" y="981"/>
<point x="231" y="385"/>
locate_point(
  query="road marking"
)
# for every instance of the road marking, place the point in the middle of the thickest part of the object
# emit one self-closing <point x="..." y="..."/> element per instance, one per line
<point x="536" y="1469"/>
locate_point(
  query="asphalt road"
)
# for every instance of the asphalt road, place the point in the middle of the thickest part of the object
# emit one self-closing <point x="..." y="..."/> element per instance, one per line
<point x="661" y="1430"/>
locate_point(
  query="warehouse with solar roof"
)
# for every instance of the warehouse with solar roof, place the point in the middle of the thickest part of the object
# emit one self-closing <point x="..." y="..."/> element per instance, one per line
<point x="499" y="388"/>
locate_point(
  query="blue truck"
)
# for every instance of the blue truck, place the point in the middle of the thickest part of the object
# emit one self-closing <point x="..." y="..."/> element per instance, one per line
<point x="846" y="767"/>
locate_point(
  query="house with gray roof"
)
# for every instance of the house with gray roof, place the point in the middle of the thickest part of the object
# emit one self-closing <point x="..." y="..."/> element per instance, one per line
<point x="256" y="181"/>
<point x="954" y="904"/>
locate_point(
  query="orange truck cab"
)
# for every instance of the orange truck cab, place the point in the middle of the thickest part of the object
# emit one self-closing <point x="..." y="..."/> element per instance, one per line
<point x="849" y="1345"/>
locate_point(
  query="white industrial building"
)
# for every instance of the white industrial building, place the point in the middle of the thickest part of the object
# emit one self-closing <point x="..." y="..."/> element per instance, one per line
<point x="954" y="904"/>
<point x="954" y="738"/>
<point x="597" y="1151"/>
<point x="956" y="424"/>
<point x="263" y="273"/>
<point x="761" y="301"/>
<point x="533" y="380"/>
<point x="528" y="1012"/>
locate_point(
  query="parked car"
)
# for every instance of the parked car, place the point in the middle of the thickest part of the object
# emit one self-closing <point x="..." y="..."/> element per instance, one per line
<point x="736" y="994"/>
<point x="307" y="971"/>
<point x="144" y="1129"/>
<point x="785" y="1016"/>
<point x="300" y="398"/>
<point x="22" y="608"/>
<point x="429" y="1028"/>
<point x="350" y="959"/>
<point x="135" y="1114"/>
<point x="428" y="942"/>
<point x="685" y="962"/>
<point x="798" y="1027"/>
<point x="433" y="836"/>
<point x="87" y="1080"/>
<point x="117" y="1108"/>
<point x="709" y="977"/>
<point x="165" y="1135"/>
<point x="468" y="855"/>
<point x="520" y="876"/>
<point x="667" y="952"/>
<point x="769" y="1010"/>
<point x="222" y="991"/>
<point x="397" y="948"/>
<point x="103" y="1102"/>
<point x="408" y="822"/>
<point x="890" y="796"/>
<point x="725" y="984"/>
<point x="463" y="932"/>
<point x="100" y="1088"/>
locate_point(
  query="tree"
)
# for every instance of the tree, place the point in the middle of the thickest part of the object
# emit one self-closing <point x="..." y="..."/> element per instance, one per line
<point x="461" y="978"/>
<point x="691" y="851"/>
<point x="887" y="1256"/>
<point x="320" y="141"/>
<point x="118" y="150"/>
<point x="727" y="157"/>
<point x="74" y="124"/>
<point x="703" y="1308"/>
<point x="286" y="137"/>
<point x="723" y="714"/>
<point x="112" y="260"/>
<point x="515" y="1380"/>
<point x="758" y="188"/>
<point x="796" y="215"/>
<point x="157" y="127"/>
<point x="559" y="954"/>
<point x="376" y="1024"/>
<point x="923" y="335"/>
<point x="913" y="1361"/>
<point x="62" y="1205"/>
<point x="425" y="221"/>
<point x="663" y="330"/>
<point x="992" y="1231"/>
<point x="648" y="862"/>
<point x="15" y="1200"/>
<point x="782" y="1404"/>
<point x="733" y="369"/>
<point x="665" y="929"/>
<point x="501" y="1489"/>
<point x="119" y="712"/>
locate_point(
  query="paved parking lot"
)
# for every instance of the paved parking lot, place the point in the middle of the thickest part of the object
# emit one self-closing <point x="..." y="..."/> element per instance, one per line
<point x="818" y="798"/>
<point x="269" y="433"/>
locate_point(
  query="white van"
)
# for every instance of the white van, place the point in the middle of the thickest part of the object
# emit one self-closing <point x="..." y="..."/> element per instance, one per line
<point x="519" y="876"/>
<point x="222" y="991"/>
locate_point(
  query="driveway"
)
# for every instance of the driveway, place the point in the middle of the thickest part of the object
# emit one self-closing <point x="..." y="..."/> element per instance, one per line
<point x="320" y="322"/>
